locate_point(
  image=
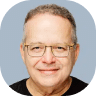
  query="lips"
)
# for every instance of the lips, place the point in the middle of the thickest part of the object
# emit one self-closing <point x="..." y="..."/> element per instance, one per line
<point x="48" y="71"/>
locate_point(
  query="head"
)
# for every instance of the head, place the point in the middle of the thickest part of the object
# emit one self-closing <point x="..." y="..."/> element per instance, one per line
<point x="49" y="25"/>
<point x="54" y="10"/>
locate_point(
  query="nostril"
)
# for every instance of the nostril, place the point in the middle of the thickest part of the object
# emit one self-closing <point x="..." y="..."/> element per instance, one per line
<point x="48" y="59"/>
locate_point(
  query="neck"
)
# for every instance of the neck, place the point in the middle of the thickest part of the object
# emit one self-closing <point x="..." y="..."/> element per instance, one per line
<point x="36" y="90"/>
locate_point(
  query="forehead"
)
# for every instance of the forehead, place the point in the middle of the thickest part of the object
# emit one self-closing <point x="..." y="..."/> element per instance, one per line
<point x="48" y="28"/>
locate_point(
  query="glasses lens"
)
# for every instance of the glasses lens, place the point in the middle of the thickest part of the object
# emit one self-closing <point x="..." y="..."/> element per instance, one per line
<point x="60" y="50"/>
<point x="36" y="50"/>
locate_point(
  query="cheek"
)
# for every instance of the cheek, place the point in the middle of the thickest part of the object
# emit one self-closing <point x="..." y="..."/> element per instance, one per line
<point x="30" y="62"/>
<point x="66" y="68"/>
<point x="30" y="65"/>
<point x="67" y="65"/>
<point x="66" y="61"/>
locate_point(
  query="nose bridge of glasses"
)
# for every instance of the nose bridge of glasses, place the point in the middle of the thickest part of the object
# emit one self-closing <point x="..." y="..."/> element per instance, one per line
<point x="48" y="49"/>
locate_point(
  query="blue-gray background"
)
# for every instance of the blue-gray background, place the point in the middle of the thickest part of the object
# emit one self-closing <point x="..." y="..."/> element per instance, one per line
<point x="12" y="66"/>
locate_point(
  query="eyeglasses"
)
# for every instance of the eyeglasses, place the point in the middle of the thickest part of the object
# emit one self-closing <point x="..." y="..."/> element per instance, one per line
<point x="38" y="50"/>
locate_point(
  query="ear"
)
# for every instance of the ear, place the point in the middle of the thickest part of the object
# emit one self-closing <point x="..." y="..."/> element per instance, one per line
<point x="22" y="52"/>
<point x="77" y="51"/>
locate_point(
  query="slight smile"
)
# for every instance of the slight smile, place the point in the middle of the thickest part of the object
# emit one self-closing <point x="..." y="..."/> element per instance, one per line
<point x="48" y="71"/>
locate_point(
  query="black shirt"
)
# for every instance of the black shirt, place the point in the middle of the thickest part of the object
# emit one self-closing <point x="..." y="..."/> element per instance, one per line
<point x="76" y="86"/>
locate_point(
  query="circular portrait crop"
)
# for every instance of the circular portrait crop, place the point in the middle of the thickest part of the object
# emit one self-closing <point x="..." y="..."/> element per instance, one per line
<point x="48" y="48"/>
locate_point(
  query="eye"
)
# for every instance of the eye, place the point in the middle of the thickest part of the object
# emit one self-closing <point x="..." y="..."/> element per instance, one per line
<point x="36" y="48"/>
<point x="60" y="47"/>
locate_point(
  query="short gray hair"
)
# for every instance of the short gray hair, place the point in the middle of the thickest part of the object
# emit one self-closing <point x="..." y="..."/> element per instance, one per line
<point x="54" y="10"/>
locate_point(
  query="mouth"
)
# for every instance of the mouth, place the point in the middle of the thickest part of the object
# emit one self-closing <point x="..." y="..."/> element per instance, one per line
<point x="48" y="71"/>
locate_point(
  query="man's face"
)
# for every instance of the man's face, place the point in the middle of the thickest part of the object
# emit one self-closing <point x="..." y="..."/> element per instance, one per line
<point x="48" y="70"/>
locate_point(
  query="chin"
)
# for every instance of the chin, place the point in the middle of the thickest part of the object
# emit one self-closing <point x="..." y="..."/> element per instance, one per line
<point x="49" y="82"/>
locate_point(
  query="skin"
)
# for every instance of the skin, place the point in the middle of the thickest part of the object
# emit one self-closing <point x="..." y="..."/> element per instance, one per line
<point x="49" y="29"/>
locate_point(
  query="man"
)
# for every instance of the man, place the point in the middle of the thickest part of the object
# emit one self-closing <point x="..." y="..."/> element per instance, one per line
<point x="49" y="50"/>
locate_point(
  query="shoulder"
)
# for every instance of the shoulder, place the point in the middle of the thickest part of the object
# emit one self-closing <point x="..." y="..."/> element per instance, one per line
<point x="20" y="87"/>
<point x="77" y="85"/>
<point x="77" y="82"/>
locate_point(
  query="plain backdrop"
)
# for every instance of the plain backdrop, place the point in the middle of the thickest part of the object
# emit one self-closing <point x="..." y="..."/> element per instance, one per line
<point x="11" y="64"/>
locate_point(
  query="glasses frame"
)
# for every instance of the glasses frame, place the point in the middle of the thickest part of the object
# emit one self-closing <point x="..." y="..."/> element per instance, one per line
<point x="69" y="45"/>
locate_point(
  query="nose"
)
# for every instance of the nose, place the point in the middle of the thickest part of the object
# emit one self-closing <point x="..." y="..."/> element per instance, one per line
<point x="48" y="57"/>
